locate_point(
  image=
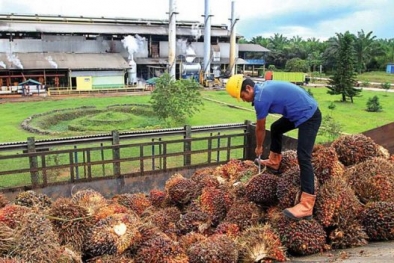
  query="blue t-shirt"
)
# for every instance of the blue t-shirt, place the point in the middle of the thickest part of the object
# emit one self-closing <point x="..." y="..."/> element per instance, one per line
<point x="285" y="98"/>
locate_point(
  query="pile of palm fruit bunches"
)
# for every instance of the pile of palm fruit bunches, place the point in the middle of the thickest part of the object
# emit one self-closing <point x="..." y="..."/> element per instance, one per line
<point x="229" y="213"/>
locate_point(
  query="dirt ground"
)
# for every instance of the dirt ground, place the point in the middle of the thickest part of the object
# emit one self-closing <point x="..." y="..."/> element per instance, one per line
<point x="374" y="252"/>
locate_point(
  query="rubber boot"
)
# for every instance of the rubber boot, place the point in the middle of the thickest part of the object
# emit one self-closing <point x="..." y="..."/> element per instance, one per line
<point x="302" y="210"/>
<point x="273" y="162"/>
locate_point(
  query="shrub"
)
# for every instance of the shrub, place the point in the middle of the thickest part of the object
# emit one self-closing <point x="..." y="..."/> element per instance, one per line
<point x="373" y="104"/>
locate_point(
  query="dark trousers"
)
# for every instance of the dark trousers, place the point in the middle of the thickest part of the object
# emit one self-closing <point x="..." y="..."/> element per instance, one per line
<point x="307" y="133"/>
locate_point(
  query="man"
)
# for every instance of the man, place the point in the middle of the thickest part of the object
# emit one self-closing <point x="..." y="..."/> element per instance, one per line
<point x="299" y="111"/>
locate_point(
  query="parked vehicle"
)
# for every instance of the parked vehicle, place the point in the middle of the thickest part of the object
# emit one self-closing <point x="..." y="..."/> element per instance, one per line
<point x="299" y="78"/>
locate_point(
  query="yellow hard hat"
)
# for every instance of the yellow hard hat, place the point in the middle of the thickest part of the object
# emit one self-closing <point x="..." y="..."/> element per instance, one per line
<point x="233" y="86"/>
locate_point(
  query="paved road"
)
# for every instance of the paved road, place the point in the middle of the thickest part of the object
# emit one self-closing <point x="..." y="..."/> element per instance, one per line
<point x="375" y="252"/>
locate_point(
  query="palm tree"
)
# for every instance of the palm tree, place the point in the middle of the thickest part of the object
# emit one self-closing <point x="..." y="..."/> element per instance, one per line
<point x="365" y="47"/>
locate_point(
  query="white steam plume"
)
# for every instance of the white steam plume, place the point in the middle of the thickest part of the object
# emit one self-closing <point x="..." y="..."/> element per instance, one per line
<point x="14" y="60"/>
<point x="50" y="60"/>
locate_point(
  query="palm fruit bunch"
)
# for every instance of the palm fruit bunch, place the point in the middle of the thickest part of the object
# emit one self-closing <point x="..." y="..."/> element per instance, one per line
<point x="111" y="259"/>
<point x="378" y="220"/>
<point x="33" y="199"/>
<point x="12" y="214"/>
<point x="112" y="235"/>
<point x="304" y="237"/>
<point x="35" y="240"/>
<point x="110" y="209"/>
<point x="261" y="189"/>
<point x="180" y="190"/>
<point x="348" y="234"/>
<point x="187" y="240"/>
<point x="194" y="219"/>
<point x="226" y="228"/>
<point x="355" y="148"/>
<point x="7" y="239"/>
<point x="136" y="202"/>
<point x="71" y="222"/>
<point x="215" y="202"/>
<point x="261" y="243"/>
<point x="289" y="160"/>
<point x="244" y="214"/>
<point x="215" y="248"/>
<point x="326" y="163"/>
<point x="165" y="219"/>
<point x="3" y="200"/>
<point x="234" y="170"/>
<point x="204" y="178"/>
<point x="90" y="199"/>
<point x="372" y="179"/>
<point x="157" y="198"/>
<point x="157" y="247"/>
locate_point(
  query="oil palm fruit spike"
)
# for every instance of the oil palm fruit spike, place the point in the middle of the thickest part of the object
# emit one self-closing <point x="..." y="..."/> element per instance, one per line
<point x="216" y="248"/>
<point x="7" y="239"/>
<point x="261" y="189"/>
<point x="157" y="198"/>
<point x="336" y="203"/>
<point x="165" y="219"/>
<point x="157" y="247"/>
<point x="244" y="213"/>
<point x="194" y="220"/>
<point x="136" y="202"/>
<point x="3" y="200"/>
<point x="33" y="199"/>
<point x="289" y="160"/>
<point x="36" y="240"/>
<point x="204" y="178"/>
<point x="226" y="228"/>
<point x="180" y="190"/>
<point x="288" y="186"/>
<point x="372" y="180"/>
<point x="261" y="243"/>
<point x="215" y="202"/>
<point x="378" y="220"/>
<point x="71" y="222"/>
<point x="111" y="259"/>
<point x="189" y="239"/>
<point x="12" y="214"/>
<point x="110" y="209"/>
<point x="349" y="234"/>
<point x="90" y="199"/>
<point x="231" y="171"/>
<point x="303" y="237"/>
<point x="326" y="164"/>
<point x="355" y="148"/>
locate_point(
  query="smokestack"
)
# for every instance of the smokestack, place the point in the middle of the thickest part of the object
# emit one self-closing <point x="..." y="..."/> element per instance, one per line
<point x="172" y="39"/>
<point x="233" y="40"/>
<point x="207" y="37"/>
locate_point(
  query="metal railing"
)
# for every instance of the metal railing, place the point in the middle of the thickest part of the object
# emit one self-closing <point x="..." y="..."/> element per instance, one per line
<point x="38" y="164"/>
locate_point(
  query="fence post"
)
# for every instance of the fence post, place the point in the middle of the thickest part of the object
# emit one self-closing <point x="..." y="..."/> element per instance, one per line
<point x="116" y="153"/>
<point x="187" y="145"/>
<point x="250" y="141"/>
<point x="34" y="175"/>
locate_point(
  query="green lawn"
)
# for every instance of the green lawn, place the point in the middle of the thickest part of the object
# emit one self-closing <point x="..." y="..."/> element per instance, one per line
<point x="352" y="116"/>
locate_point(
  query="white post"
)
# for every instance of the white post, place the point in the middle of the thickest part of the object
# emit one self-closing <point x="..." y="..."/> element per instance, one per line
<point x="172" y="39"/>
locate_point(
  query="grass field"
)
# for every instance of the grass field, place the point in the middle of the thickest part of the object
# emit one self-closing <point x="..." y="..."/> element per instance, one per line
<point x="351" y="116"/>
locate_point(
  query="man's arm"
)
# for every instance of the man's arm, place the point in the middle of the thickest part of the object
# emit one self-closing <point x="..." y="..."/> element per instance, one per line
<point x="260" y="136"/>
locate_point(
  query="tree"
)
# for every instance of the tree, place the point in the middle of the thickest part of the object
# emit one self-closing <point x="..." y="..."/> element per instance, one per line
<point x="296" y="65"/>
<point x="365" y="47"/>
<point x="373" y="104"/>
<point x="173" y="100"/>
<point x="344" y="76"/>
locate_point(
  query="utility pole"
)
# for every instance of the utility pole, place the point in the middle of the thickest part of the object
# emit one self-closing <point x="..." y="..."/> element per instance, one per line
<point x="207" y="37"/>
<point x="233" y="40"/>
<point x="172" y="39"/>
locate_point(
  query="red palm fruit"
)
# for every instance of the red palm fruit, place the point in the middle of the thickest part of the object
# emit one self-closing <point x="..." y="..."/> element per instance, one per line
<point x="157" y="247"/>
<point x="71" y="222"/>
<point x="304" y="237"/>
<point x="215" y="202"/>
<point x="90" y="199"/>
<point x="137" y="202"/>
<point x="226" y="228"/>
<point x="261" y="243"/>
<point x="110" y="209"/>
<point x="180" y="190"/>
<point x="165" y="219"/>
<point x="157" y="198"/>
<point x="261" y="189"/>
<point x="289" y="160"/>
<point x="326" y="163"/>
<point x="194" y="220"/>
<point x="216" y="248"/>
<point x="378" y="220"/>
<point x="189" y="239"/>
<point x="355" y="148"/>
<point x="12" y="214"/>
<point x="244" y="214"/>
<point x="33" y="199"/>
<point x="350" y="233"/>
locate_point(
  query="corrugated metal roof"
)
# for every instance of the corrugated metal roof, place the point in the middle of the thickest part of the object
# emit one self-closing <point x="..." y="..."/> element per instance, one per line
<point x="239" y="61"/>
<point x="63" y="61"/>
<point x="91" y="28"/>
<point x="252" y="48"/>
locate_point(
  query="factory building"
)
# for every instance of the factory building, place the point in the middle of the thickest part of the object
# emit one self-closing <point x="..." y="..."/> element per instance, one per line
<point x="97" y="53"/>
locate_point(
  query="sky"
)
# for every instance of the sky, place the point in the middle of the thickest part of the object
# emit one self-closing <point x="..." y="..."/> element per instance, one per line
<point x="304" y="18"/>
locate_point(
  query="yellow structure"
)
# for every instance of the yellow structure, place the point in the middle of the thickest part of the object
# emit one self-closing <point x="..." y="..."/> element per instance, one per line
<point x="84" y="83"/>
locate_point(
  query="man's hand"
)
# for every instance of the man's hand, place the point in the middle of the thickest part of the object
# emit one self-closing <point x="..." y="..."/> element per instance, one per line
<point x="259" y="150"/>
